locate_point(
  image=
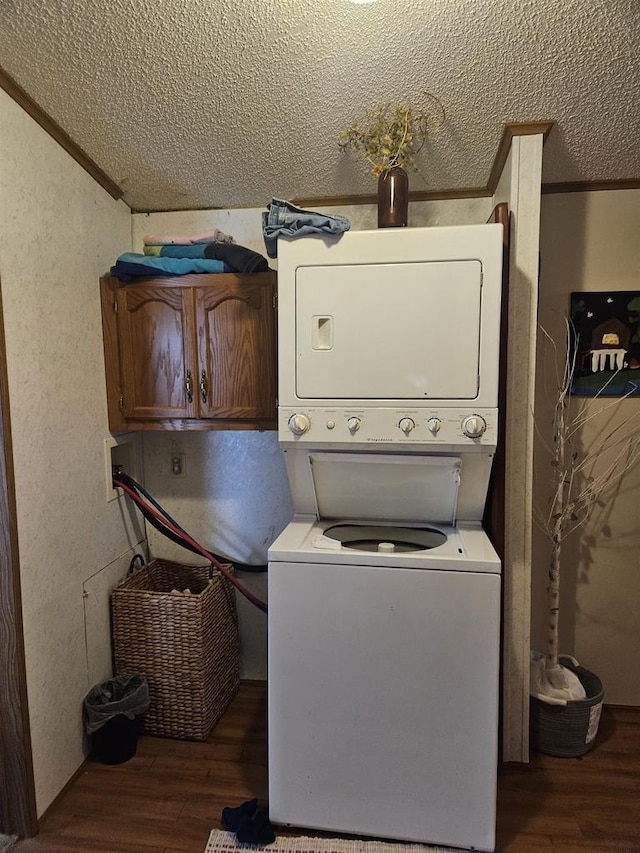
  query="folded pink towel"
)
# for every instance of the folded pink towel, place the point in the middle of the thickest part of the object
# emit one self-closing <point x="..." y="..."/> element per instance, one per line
<point x="215" y="236"/>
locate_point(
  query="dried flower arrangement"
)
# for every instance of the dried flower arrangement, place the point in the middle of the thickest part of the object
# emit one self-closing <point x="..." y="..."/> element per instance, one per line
<point x="391" y="135"/>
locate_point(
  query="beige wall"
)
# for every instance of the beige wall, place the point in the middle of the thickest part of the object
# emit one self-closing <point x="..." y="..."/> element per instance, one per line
<point x="590" y="242"/>
<point x="59" y="231"/>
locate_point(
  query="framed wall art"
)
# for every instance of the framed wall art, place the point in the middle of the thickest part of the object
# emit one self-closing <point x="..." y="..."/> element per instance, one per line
<point x="606" y="335"/>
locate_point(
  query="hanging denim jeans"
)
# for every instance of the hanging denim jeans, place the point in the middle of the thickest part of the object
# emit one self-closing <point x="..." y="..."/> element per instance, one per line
<point x="283" y="219"/>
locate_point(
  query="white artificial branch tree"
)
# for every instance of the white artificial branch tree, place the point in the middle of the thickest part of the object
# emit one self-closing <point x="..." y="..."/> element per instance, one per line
<point x="582" y="476"/>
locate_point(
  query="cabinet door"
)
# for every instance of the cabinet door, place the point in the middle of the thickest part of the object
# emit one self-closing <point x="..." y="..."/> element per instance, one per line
<point x="157" y="348"/>
<point x="236" y="350"/>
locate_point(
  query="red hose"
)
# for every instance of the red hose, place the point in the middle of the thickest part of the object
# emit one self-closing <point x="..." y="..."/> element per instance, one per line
<point x="257" y="602"/>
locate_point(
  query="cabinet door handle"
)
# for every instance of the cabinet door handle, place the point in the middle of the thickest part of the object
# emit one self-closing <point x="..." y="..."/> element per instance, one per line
<point x="188" y="386"/>
<point x="203" y="386"/>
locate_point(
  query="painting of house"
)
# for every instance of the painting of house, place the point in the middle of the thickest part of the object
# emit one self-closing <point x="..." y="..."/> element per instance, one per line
<point x="606" y="335"/>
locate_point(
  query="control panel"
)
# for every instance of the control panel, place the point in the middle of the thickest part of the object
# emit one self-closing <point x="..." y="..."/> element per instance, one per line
<point x="389" y="426"/>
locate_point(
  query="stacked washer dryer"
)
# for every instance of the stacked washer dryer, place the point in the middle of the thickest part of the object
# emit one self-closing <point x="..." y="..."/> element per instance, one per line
<point x="384" y="590"/>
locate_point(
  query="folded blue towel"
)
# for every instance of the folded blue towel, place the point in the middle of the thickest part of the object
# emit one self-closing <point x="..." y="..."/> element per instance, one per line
<point x="132" y="265"/>
<point x="196" y="250"/>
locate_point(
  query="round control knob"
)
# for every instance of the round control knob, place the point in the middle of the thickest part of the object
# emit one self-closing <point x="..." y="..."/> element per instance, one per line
<point x="299" y="424"/>
<point x="353" y="424"/>
<point x="406" y="425"/>
<point x="473" y="426"/>
<point x="433" y="425"/>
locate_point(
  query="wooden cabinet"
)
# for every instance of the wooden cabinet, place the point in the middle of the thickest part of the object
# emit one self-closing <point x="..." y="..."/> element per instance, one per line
<point x="191" y="352"/>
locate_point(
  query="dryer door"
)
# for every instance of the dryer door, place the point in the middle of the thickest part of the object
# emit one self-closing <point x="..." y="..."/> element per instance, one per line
<point x="402" y="331"/>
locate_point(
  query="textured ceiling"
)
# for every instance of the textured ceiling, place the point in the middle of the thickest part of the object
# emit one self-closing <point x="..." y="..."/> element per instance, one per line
<point x="204" y="103"/>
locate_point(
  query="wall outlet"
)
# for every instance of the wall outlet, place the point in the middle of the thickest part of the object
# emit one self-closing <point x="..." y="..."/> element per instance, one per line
<point x="173" y="464"/>
<point x="178" y="465"/>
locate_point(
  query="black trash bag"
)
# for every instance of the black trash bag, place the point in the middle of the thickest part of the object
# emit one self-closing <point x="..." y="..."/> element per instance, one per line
<point x="112" y="712"/>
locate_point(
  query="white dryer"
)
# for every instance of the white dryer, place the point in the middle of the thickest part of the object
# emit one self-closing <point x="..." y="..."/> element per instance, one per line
<point x="384" y="591"/>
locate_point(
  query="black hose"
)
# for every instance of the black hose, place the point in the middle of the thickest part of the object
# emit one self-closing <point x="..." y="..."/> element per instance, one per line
<point x="133" y="484"/>
<point x="226" y="570"/>
<point x="153" y="521"/>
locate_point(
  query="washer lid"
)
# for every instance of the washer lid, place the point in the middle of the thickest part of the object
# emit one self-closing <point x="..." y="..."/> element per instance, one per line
<point x="386" y="487"/>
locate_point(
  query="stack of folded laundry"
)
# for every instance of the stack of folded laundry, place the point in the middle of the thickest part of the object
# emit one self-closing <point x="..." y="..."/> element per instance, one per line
<point x="171" y="254"/>
<point x="152" y="242"/>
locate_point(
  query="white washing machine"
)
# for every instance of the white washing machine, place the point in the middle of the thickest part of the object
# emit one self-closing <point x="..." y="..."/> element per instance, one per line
<point x="384" y="591"/>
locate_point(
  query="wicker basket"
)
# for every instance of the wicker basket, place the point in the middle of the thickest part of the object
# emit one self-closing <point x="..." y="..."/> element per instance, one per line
<point x="567" y="731"/>
<point x="185" y="643"/>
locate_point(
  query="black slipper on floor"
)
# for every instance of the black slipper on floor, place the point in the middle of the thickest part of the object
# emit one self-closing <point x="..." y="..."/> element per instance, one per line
<point x="232" y="818"/>
<point x="256" y="829"/>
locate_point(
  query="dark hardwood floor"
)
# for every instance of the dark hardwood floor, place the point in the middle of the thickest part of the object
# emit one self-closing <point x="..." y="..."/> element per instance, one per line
<point x="170" y="795"/>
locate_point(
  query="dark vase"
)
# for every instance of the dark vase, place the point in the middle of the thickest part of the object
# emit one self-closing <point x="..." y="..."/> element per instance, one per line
<point x="393" y="198"/>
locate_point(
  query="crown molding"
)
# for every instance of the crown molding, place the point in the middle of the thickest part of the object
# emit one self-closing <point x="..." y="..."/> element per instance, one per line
<point x="427" y="195"/>
<point x="512" y="129"/>
<point x="56" y="132"/>
<point x="589" y="186"/>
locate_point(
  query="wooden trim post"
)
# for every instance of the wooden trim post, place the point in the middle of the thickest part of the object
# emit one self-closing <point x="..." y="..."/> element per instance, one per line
<point x="17" y="788"/>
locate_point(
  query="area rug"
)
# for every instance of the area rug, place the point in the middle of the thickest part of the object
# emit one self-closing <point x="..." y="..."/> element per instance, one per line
<point x="226" y="842"/>
<point x="7" y="842"/>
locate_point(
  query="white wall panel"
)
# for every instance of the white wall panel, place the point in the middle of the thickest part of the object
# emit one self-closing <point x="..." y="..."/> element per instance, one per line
<point x="234" y="500"/>
<point x="519" y="185"/>
<point x="245" y="224"/>
<point x="59" y="231"/>
<point x="96" y="591"/>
